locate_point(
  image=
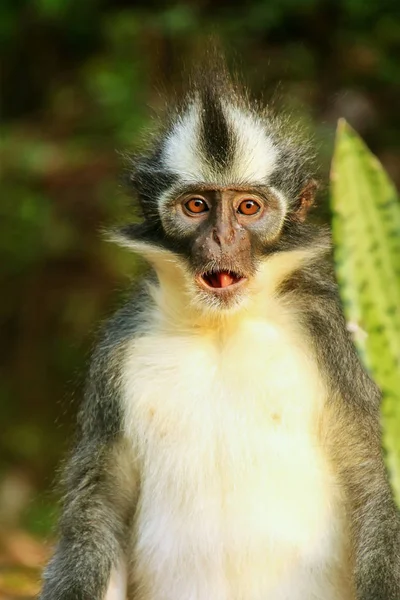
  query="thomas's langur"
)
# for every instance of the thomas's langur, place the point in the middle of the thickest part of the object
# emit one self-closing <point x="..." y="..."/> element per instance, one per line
<point x="229" y="442"/>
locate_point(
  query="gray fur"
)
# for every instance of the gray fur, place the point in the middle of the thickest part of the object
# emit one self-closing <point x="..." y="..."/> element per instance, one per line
<point x="99" y="502"/>
<point x="96" y="511"/>
<point x="356" y="444"/>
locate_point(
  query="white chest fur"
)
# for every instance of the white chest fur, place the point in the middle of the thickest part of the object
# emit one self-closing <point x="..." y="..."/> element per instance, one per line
<point x="237" y="501"/>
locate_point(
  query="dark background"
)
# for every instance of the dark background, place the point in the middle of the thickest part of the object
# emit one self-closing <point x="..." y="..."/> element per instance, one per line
<point x="78" y="79"/>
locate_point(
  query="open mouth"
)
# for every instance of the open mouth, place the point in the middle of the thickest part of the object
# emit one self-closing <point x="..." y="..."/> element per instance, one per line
<point x="218" y="280"/>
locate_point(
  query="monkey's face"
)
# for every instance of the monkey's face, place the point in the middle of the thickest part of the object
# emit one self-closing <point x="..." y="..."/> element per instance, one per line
<point x="223" y="188"/>
<point x="222" y="234"/>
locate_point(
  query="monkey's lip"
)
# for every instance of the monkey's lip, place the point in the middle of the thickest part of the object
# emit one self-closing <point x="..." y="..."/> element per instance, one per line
<point x="220" y="280"/>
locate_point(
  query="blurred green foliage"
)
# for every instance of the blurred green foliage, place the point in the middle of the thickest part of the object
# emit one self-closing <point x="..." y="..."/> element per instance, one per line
<point x="366" y="234"/>
<point x="77" y="81"/>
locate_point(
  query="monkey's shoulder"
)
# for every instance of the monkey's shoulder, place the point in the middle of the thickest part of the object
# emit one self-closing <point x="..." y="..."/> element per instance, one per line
<point x="314" y="294"/>
<point x="101" y="411"/>
<point x="118" y="330"/>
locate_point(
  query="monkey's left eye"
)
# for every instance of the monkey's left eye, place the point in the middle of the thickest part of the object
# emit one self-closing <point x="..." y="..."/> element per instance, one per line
<point x="248" y="207"/>
<point x="196" y="206"/>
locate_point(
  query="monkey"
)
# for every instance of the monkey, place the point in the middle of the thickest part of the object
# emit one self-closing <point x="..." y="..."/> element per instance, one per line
<point x="229" y="442"/>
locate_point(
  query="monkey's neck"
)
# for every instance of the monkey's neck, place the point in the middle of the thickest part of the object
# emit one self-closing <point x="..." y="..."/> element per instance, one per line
<point x="178" y="308"/>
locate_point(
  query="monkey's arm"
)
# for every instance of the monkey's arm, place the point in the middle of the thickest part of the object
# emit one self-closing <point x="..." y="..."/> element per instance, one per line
<point x="376" y="527"/>
<point x="92" y="528"/>
<point x="374" y="518"/>
<point x="356" y="452"/>
<point x="100" y="482"/>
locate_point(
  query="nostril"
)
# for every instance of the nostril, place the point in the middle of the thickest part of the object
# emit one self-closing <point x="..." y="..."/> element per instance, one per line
<point x="216" y="237"/>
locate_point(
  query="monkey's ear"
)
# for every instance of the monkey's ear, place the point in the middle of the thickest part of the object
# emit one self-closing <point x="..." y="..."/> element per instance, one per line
<point x="306" y="199"/>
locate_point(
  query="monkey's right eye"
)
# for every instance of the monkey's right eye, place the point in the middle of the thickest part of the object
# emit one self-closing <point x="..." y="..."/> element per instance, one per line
<point x="196" y="206"/>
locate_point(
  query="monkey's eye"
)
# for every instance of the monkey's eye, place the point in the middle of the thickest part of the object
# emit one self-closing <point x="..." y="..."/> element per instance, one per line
<point x="196" y="206"/>
<point x="248" y="207"/>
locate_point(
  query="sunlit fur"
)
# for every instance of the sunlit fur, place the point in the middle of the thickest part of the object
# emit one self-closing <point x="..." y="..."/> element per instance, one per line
<point x="227" y="449"/>
<point x="218" y="137"/>
<point x="230" y="453"/>
<point x="254" y="156"/>
<point x="238" y="498"/>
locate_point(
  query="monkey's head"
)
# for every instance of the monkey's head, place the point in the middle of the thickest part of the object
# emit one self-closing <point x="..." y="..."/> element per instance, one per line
<point x="225" y="187"/>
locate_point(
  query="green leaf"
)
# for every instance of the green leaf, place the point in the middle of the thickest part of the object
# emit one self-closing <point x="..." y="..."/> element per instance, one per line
<point x="366" y="233"/>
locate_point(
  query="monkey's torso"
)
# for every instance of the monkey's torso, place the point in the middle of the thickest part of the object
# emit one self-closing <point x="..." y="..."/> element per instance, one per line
<point x="238" y="500"/>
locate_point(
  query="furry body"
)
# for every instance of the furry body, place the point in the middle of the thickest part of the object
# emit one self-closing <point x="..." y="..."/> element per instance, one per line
<point x="229" y="440"/>
<point x="228" y="460"/>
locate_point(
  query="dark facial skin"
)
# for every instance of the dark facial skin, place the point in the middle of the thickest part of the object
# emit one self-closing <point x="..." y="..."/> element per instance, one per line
<point x="226" y="230"/>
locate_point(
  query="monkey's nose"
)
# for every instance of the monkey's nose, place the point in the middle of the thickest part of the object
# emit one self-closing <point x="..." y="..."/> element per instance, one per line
<point x="223" y="236"/>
